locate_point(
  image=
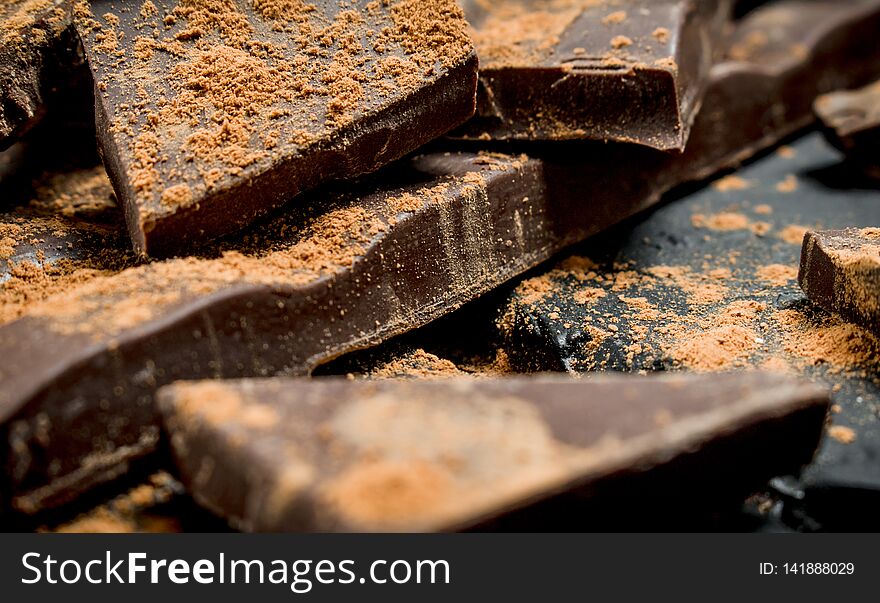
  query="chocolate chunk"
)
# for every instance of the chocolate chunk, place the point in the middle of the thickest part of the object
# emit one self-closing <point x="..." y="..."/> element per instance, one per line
<point x="212" y="113"/>
<point x="840" y="271"/>
<point x="38" y="53"/>
<point x="852" y="123"/>
<point x="338" y="455"/>
<point x="354" y="265"/>
<point x="630" y="71"/>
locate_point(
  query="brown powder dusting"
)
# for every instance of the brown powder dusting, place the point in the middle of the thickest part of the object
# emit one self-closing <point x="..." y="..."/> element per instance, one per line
<point x="748" y="48"/>
<point x="789" y="185"/>
<point x="68" y="210"/>
<point x="381" y="493"/>
<point x="701" y="289"/>
<point x="839" y="345"/>
<point x="177" y="196"/>
<point x="588" y="295"/>
<point x="661" y="34"/>
<point x="725" y="221"/>
<point x="763" y="210"/>
<point x="842" y="434"/>
<point x="31" y="20"/>
<point x="128" y="513"/>
<point x="519" y="33"/>
<point x="535" y="289"/>
<point x="719" y="349"/>
<point x="618" y="42"/>
<point x="615" y="18"/>
<point x="731" y="183"/>
<point x="777" y="275"/>
<point x="793" y="234"/>
<point x="417" y="364"/>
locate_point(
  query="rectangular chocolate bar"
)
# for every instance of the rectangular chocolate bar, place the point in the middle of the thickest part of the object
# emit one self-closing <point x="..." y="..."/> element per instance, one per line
<point x="358" y="264"/>
<point x="840" y="271"/>
<point x="211" y="114"/>
<point x="852" y="123"/>
<point x="612" y="70"/>
<point x="38" y="54"/>
<point x="336" y="455"/>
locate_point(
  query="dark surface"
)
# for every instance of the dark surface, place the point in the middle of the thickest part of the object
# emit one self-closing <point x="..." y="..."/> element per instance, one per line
<point x="342" y="455"/>
<point x="509" y="215"/>
<point x="386" y="127"/>
<point x="839" y="490"/>
<point x="852" y="124"/>
<point x="580" y="87"/>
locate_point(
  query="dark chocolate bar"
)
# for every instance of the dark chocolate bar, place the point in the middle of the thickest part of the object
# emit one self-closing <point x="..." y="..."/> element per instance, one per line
<point x="338" y="273"/>
<point x="613" y="70"/>
<point x="852" y="123"/>
<point x="336" y="455"/>
<point x="38" y="54"/>
<point x="840" y="271"/>
<point x="210" y="115"/>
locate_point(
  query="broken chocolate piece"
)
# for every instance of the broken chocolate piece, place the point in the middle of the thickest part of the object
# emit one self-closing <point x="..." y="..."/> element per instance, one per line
<point x="211" y="114"/>
<point x="338" y="273"/>
<point x="852" y="123"/>
<point x="335" y="455"/>
<point x="628" y="71"/>
<point x="77" y="402"/>
<point x="38" y="54"/>
<point x="840" y="271"/>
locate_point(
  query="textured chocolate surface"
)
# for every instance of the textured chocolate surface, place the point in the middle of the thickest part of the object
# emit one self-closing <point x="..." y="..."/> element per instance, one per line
<point x="612" y="70"/>
<point x="264" y="103"/>
<point x="340" y="455"/>
<point x="338" y="274"/>
<point x="852" y="123"/>
<point x="38" y="54"/>
<point x="840" y="271"/>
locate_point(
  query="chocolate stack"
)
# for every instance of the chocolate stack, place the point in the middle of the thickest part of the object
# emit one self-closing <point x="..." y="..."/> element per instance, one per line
<point x="285" y="183"/>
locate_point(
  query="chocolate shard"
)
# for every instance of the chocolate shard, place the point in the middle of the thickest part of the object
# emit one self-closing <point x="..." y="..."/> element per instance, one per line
<point x="335" y="455"/>
<point x="338" y="274"/>
<point x="852" y="123"/>
<point x="784" y="54"/>
<point x="38" y="54"/>
<point x="210" y="115"/>
<point x="628" y="71"/>
<point x="840" y="271"/>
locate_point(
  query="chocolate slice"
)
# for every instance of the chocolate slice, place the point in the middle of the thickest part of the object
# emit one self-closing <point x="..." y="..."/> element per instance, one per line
<point x="840" y="271"/>
<point x="355" y="265"/>
<point x="38" y="54"/>
<point x="852" y="123"/>
<point x="335" y="455"/>
<point x="211" y="114"/>
<point x="613" y="70"/>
